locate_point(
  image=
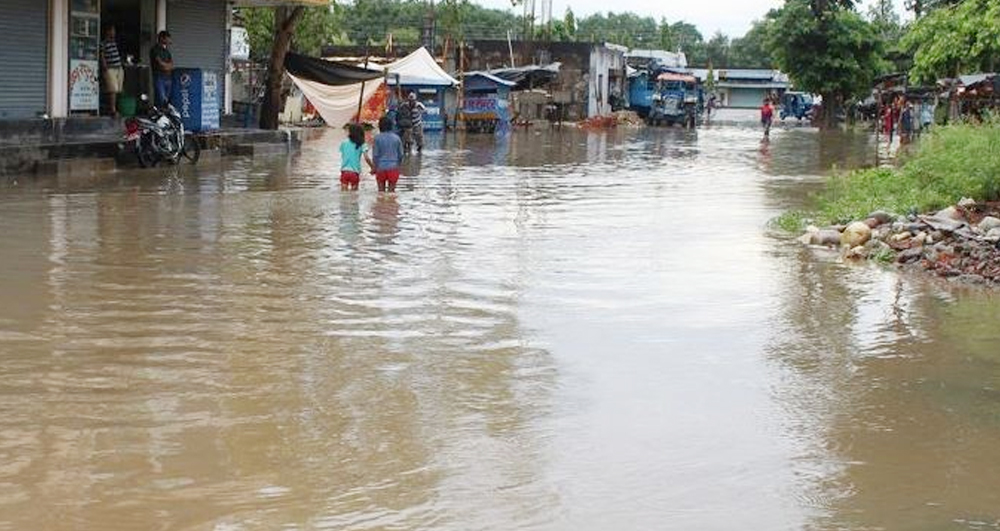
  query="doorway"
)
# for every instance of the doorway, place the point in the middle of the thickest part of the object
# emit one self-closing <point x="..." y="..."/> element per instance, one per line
<point x="135" y="28"/>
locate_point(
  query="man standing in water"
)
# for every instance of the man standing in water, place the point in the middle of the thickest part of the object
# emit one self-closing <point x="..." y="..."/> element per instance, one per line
<point x="414" y="133"/>
<point x="767" y="117"/>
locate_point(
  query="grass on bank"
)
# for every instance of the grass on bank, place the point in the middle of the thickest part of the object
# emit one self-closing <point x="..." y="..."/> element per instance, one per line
<point x="950" y="163"/>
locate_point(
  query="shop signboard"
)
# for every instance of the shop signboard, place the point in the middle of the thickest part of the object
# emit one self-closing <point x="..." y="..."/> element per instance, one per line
<point x="84" y="40"/>
<point x="196" y="97"/>
<point x="84" y="90"/>
<point x="239" y="44"/>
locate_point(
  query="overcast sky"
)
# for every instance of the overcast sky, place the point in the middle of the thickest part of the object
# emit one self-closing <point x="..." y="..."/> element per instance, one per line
<point x="732" y="17"/>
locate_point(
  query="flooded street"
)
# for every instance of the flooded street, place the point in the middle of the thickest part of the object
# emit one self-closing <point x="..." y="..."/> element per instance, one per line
<point x="561" y="331"/>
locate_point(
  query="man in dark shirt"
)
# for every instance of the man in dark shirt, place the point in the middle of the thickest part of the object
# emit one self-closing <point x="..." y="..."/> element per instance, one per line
<point x="162" y="63"/>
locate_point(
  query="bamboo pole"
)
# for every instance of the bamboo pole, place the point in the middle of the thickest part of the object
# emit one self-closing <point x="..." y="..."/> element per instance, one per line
<point x="361" y="97"/>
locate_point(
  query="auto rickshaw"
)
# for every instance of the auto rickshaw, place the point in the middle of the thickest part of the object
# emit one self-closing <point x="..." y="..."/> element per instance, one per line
<point x="796" y="105"/>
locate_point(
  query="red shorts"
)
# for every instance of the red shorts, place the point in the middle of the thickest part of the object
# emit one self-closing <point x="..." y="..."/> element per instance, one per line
<point x="390" y="176"/>
<point x="349" y="177"/>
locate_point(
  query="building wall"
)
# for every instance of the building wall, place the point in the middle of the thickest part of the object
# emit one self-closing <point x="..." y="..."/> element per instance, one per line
<point x="607" y="67"/>
<point x="571" y="87"/>
<point x="24" y="58"/>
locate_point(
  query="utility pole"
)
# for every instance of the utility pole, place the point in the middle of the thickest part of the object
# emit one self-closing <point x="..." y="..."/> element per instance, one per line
<point x="429" y="28"/>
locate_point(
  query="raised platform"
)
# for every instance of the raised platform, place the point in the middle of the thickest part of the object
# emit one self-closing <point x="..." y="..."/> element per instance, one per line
<point x="32" y="147"/>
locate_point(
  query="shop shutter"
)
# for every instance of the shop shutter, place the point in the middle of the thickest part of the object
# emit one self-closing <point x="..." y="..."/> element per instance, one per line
<point x="23" y="58"/>
<point x="746" y="98"/>
<point x="198" y="31"/>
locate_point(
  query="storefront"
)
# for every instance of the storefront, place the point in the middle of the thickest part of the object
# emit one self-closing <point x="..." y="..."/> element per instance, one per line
<point x="51" y="48"/>
<point x="50" y="55"/>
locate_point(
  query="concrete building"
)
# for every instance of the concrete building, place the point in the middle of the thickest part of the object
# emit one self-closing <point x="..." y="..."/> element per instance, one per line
<point x="743" y="88"/>
<point x="50" y="50"/>
<point x="591" y="79"/>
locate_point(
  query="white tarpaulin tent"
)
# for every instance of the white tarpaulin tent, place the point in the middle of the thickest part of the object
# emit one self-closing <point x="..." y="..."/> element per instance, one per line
<point x="338" y="104"/>
<point x="418" y="68"/>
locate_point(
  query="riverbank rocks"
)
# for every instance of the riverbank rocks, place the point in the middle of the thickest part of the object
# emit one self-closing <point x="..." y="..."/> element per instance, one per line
<point x="857" y="233"/>
<point x="951" y="213"/>
<point x="989" y="223"/>
<point x="879" y="218"/>
<point x="961" y="242"/>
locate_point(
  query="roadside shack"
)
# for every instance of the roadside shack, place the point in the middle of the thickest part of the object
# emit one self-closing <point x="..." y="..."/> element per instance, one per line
<point x="485" y="102"/>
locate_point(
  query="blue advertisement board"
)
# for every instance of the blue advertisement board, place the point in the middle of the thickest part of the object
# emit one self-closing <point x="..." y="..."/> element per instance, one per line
<point x="196" y="97"/>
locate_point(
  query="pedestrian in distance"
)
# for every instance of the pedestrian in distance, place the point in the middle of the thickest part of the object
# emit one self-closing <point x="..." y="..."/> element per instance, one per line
<point x="111" y="69"/>
<point x="767" y="117"/>
<point x="906" y="119"/>
<point x="352" y="150"/>
<point x="387" y="155"/>
<point x="162" y="63"/>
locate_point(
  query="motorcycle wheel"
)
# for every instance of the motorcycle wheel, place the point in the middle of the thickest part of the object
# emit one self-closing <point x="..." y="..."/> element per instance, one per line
<point x="145" y="153"/>
<point x="192" y="149"/>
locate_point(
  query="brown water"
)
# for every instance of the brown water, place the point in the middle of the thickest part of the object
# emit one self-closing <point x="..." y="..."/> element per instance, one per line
<point x="551" y="332"/>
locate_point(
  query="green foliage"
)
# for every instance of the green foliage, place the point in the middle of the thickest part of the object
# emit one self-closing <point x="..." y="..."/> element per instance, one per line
<point x="793" y="221"/>
<point x="836" y="54"/>
<point x="569" y="23"/>
<point x="882" y="14"/>
<point x="319" y="26"/>
<point x="950" y="163"/>
<point x="453" y="16"/>
<point x="627" y="29"/>
<point x="954" y="40"/>
<point x="717" y="50"/>
<point x="752" y="49"/>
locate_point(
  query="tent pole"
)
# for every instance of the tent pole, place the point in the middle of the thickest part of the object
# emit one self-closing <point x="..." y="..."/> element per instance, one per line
<point x="361" y="97"/>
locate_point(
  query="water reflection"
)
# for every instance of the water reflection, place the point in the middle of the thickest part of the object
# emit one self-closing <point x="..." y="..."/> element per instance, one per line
<point x="896" y="407"/>
<point x="554" y="330"/>
<point x="219" y="359"/>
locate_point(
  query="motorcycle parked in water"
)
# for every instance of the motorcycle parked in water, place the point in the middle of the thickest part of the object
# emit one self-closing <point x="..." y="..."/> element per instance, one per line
<point x="160" y="135"/>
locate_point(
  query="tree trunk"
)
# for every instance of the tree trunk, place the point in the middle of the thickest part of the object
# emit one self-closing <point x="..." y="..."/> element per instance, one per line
<point x="832" y="104"/>
<point x="285" y="20"/>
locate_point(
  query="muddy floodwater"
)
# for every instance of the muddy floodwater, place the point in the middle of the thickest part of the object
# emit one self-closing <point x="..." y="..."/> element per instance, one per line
<point x="552" y="331"/>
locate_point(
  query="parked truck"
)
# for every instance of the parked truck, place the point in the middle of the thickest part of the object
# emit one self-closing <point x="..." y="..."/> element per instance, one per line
<point x="678" y="99"/>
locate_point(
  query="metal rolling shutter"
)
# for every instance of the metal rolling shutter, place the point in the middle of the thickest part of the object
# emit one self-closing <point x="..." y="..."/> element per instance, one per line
<point x="746" y="98"/>
<point x="23" y="58"/>
<point x="198" y="30"/>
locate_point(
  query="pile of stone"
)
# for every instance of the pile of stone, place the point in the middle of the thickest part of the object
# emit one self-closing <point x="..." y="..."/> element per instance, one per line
<point x="613" y="120"/>
<point x="960" y="242"/>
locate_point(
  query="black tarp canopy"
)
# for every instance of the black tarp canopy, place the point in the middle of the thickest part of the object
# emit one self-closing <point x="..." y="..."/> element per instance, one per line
<point x="327" y="72"/>
<point x="527" y="77"/>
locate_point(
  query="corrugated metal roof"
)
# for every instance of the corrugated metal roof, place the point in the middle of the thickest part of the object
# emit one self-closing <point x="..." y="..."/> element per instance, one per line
<point x="723" y="74"/>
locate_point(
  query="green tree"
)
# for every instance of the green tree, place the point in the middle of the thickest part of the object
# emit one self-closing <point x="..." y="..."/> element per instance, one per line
<point x="717" y="50"/>
<point x="628" y="29"/>
<point x="667" y="40"/>
<point x="882" y="14"/>
<point x="963" y="38"/>
<point x="318" y="26"/>
<point x="688" y="39"/>
<point x="569" y="24"/>
<point x="752" y="49"/>
<point x="835" y="53"/>
<point x="921" y="7"/>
